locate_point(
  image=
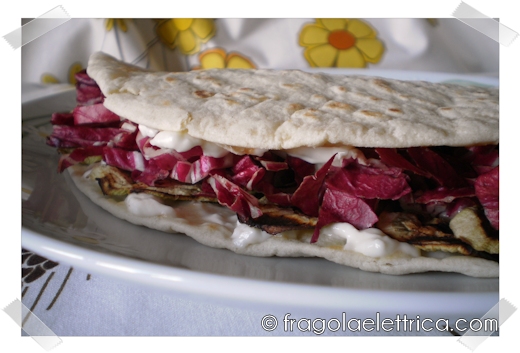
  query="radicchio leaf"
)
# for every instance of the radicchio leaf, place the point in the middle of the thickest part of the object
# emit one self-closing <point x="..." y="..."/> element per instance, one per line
<point x="392" y="158"/>
<point x="487" y="190"/>
<point x="123" y="159"/>
<point x="443" y="194"/>
<point x="340" y="206"/>
<point x="234" y="197"/>
<point x="436" y="166"/>
<point x="246" y="173"/>
<point x="94" y="114"/>
<point x="370" y="182"/>
<point x="84" y="136"/>
<point x="308" y="195"/>
<point x="62" y="119"/>
<point x="87" y="90"/>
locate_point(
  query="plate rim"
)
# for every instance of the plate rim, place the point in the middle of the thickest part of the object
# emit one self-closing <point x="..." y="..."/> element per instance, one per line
<point x="252" y="291"/>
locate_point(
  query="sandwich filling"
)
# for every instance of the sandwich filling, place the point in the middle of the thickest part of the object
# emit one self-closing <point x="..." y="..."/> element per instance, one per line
<point x="408" y="199"/>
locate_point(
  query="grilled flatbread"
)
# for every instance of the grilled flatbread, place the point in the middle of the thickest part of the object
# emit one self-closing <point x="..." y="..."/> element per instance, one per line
<point x="278" y="110"/>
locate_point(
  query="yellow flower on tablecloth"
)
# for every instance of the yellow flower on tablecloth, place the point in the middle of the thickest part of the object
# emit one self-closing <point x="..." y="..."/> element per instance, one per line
<point x="48" y="78"/>
<point x="73" y="70"/>
<point x="112" y="22"/>
<point x="217" y="58"/>
<point x="187" y="34"/>
<point x="340" y="43"/>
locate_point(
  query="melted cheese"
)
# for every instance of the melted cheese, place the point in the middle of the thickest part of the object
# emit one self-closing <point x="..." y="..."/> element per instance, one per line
<point x="148" y="131"/>
<point x="370" y="242"/>
<point x="181" y="142"/>
<point x="147" y="205"/>
<point x="244" y="235"/>
<point x="321" y="155"/>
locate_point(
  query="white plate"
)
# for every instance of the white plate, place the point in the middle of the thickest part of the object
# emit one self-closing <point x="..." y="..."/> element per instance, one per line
<point x="60" y="223"/>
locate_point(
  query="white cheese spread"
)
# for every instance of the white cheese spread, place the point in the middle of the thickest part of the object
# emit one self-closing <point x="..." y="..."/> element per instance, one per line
<point x="370" y="242"/>
<point x="321" y="155"/>
<point x="181" y="142"/>
<point x="244" y="235"/>
<point x="128" y="127"/>
<point x="147" y="205"/>
<point x="148" y="131"/>
<point x="139" y="161"/>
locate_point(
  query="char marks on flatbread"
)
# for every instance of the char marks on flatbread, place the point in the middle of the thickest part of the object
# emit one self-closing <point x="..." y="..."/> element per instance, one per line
<point x="287" y="109"/>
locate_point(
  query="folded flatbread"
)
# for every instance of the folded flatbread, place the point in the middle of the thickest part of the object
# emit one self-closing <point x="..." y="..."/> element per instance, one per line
<point x="383" y="175"/>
